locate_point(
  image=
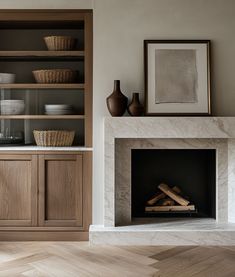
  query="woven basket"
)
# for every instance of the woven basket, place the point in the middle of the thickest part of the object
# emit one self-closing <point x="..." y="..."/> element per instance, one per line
<point x="54" y="138"/>
<point x="60" y="43"/>
<point x="54" y="76"/>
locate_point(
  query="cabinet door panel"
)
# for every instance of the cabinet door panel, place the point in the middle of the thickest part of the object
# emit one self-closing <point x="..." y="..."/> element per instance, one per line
<point x="18" y="190"/>
<point x="60" y="190"/>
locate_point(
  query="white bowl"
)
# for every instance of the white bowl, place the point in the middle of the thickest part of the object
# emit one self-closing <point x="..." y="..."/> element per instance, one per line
<point x="12" y="107"/>
<point x="7" y="78"/>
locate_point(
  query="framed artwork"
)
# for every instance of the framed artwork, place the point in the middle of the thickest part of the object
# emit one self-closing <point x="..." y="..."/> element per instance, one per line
<point x="177" y="77"/>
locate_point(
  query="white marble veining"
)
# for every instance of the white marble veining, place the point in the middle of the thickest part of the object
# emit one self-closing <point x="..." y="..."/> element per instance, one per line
<point x="169" y="127"/>
<point x="125" y="133"/>
<point x="174" y="232"/>
<point x="41" y="148"/>
<point x="123" y="149"/>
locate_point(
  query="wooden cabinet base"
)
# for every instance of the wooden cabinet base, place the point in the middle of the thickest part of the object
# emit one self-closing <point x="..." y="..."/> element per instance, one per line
<point x="43" y="236"/>
<point x="45" y="196"/>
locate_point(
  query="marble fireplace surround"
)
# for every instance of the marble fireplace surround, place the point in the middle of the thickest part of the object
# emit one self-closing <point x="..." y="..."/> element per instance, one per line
<point x="121" y="134"/>
<point x="123" y="149"/>
<point x="125" y="133"/>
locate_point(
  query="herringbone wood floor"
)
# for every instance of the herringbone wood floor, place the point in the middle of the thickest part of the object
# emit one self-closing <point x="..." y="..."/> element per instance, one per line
<point x="62" y="259"/>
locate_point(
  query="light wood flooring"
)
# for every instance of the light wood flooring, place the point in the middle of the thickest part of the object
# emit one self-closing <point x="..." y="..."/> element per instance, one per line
<point x="62" y="259"/>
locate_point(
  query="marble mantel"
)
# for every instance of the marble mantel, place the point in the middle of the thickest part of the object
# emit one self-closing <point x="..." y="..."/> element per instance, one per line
<point x="168" y="127"/>
<point x="126" y="133"/>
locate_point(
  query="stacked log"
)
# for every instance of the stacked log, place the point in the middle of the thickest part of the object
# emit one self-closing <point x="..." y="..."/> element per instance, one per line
<point x="168" y="199"/>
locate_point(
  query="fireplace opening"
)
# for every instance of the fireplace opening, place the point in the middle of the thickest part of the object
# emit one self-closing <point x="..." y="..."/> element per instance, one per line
<point x="173" y="183"/>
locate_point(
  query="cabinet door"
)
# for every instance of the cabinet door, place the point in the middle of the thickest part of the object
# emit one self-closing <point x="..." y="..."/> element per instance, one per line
<point x="18" y="190"/>
<point x="60" y="190"/>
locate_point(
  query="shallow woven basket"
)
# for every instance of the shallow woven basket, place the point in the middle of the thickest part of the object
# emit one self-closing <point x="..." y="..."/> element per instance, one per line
<point x="60" y="43"/>
<point x="54" y="76"/>
<point x="54" y="138"/>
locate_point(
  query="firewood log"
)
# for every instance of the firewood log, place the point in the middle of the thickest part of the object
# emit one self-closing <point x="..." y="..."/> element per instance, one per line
<point x="155" y="198"/>
<point x="173" y="195"/>
<point x="160" y="195"/>
<point x="166" y="202"/>
<point x="170" y="208"/>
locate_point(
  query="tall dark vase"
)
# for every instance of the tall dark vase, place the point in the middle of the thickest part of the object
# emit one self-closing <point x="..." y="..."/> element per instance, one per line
<point x="117" y="101"/>
<point x="135" y="108"/>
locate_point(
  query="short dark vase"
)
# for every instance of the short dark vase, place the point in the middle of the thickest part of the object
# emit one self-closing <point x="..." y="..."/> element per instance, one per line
<point x="117" y="101"/>
<point x="135" y="108"/>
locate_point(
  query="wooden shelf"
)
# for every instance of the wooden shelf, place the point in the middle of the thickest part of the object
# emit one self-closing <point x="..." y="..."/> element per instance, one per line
<point x="41" y="53"/>
<point x="44" y="117"/>
<point x="72" y="56"/>
<point x="42" y="86"/>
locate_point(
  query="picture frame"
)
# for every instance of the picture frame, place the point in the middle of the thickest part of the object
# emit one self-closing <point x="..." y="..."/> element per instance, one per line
<point x="177" y="77"/>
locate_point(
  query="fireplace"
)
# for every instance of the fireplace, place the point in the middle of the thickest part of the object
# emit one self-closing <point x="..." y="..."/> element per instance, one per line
<point x="191" y="171"/>
<point x="208" y="146"/>
<point x="197" y="167"/>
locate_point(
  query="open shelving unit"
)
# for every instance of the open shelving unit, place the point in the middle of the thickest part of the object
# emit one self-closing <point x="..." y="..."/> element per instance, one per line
<point x="21" y="55"/>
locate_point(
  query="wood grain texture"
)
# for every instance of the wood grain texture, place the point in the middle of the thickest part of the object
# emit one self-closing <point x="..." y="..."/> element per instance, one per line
<point x="41" y="53"/>
<point x="44" y="235"/>
<point x="168" y="208"/>
<point x="18" y="190"/>
<point x="172" y="194"/>
<point x="42" y="15"/>
<point x="42" y="86"/>
<point x="88" y="78"/>
<point x="60" y="190"/>
<point x="72" y="259"/>
<point x="44" y="117"/>
<point x="87" y="189"/>
<point x="64" y="184"/>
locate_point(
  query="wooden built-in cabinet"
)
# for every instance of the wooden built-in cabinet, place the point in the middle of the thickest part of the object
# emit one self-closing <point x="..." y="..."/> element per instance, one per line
<point x="45" y="192"/>
<point x="18" y="190"/>
<point x="60" y="190"/>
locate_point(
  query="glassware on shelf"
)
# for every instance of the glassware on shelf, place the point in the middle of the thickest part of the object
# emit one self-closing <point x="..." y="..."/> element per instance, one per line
<point x="11" y="137"/>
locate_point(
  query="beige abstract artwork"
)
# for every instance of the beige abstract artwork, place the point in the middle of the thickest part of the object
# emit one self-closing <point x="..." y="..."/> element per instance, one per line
<point x="176" y="77"/>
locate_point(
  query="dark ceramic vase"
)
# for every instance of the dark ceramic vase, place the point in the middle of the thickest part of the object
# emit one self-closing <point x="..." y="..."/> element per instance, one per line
<point x="135" y="108"/>
<point x="117" y="101"/>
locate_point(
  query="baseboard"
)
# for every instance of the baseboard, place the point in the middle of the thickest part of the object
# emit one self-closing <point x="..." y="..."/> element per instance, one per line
<point x="43" y="236"/>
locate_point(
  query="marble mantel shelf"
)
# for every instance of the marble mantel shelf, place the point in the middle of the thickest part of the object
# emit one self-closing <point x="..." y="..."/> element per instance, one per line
<point x="169" y="127"/>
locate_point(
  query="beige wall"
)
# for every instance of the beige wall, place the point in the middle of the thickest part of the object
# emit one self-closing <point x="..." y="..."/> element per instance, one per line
<point x="120" y="26"/>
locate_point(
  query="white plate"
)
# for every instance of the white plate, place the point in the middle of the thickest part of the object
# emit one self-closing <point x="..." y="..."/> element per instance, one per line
<point x="58" y="107"/>
<point x="58" y="112"/>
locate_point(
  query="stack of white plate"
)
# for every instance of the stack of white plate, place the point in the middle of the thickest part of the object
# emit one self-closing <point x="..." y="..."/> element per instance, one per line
<point x="58" y="109"/>
<point x="12" y="107"/>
